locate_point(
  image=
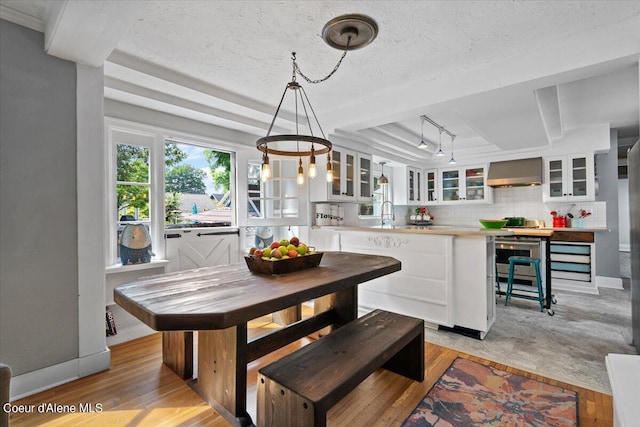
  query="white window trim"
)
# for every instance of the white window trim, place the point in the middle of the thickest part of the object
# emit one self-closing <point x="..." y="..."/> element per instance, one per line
<point x="154" y="139"/>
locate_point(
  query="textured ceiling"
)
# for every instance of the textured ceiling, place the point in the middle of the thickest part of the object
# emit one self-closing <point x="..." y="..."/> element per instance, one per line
<point x="476" y="67"/>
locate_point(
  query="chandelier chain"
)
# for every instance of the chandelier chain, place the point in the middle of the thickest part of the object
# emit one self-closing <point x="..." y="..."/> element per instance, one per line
<point x="297" y="69"/>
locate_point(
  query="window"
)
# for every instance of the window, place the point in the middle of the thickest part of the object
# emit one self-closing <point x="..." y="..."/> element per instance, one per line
<point x="164" y="182"/>
<point x="198" y="189"/>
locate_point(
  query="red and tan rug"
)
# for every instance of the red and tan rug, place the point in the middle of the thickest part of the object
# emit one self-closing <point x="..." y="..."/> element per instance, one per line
<point x="471" y="394"/>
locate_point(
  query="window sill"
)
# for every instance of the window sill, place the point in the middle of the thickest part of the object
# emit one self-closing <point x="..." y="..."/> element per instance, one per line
<point x="119" y="268"/>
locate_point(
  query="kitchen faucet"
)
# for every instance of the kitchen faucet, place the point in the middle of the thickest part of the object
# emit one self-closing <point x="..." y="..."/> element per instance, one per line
<point x="391" y="215"/>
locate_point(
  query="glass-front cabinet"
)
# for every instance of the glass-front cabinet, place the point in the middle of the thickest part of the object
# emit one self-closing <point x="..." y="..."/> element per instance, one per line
<point x="352" y="178"/>
<point x="431" y="187"/>
<point x="365" y="178"/>
<point x="465" y="184"/>
<point x="415" y="184"/>
<point x="343" y="164"/>
<point x="569" y="178"/>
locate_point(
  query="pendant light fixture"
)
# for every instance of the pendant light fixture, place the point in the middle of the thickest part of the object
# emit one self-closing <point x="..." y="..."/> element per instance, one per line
<point x="423" y="145"/>
<point x="347" y="32"/>
<point x="440" y="153"/>
<point x="452" y="161"/>
<point x="383" y="180"/>
<point x="441" y="130"/>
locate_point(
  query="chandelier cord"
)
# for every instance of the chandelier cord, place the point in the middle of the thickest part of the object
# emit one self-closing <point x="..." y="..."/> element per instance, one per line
<point x="297" y="69"/>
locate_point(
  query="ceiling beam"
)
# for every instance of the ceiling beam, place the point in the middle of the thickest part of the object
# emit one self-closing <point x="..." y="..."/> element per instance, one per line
<point x="87" y="32"/>
<point x="145" y="67"/>
<point x="389" y="141"/>
<point x="123" y="86"/>
<point x="549" y="109"/>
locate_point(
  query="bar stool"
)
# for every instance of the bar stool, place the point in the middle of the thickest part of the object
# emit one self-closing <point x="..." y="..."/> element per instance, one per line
<point x="513" y="261"/>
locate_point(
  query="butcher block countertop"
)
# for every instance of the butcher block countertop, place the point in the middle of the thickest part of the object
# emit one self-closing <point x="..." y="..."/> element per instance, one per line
<point x="429" y="229"/>
<point x="453" y="230"/>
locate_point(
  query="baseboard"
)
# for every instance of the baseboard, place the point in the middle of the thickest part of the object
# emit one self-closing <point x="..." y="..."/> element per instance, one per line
<point x="55" y="375"/>
<point x="609" y="282"/>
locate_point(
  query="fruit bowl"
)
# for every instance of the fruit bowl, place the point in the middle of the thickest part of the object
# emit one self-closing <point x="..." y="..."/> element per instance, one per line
<point x="282" y="266"/>
<point x="493" y="224"/>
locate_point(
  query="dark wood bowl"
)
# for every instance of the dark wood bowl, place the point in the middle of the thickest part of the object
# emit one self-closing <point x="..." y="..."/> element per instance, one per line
<point x="283" y="266"/>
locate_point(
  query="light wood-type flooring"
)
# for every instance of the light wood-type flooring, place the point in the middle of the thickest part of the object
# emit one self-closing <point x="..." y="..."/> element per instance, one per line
<point x="139" y="390"/>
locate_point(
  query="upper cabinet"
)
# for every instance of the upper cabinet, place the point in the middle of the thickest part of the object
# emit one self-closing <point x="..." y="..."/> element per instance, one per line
<point x="408" y="186"/>
<point x="464" y="185"/>
<point x="431" y="196"/>
<point x="415" y="186"/>
<point x="365" y="178"/>
<point x="352" y="178"/>
<point x="569" y="178"/>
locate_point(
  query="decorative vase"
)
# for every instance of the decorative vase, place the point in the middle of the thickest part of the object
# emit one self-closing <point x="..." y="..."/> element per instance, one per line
<point x="135" y="244"/>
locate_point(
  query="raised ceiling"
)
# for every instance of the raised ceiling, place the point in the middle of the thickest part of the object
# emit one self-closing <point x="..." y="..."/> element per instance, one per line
<point x="501" y="75"/>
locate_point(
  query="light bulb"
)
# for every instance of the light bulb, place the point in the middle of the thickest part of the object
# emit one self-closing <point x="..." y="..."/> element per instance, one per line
<point x="313" y="172"/>
<point x="329" y="169"/>
<point x="266" y="172"/>
<point x="300" y="173"/>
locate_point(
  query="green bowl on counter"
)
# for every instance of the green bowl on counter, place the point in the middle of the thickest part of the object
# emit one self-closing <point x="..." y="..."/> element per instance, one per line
<point x="493" y="224"/>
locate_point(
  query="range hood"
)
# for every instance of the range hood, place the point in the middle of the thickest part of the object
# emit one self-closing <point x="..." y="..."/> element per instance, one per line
<point x="515" y="173"/>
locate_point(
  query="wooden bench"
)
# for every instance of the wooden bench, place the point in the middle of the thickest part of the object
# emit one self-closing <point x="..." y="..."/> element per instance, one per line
<point x="300" y="388"/>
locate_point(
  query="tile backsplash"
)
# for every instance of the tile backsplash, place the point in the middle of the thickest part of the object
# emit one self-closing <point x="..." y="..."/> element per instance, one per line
<point x="514" y="201"/>
<point x="517" y="201"/>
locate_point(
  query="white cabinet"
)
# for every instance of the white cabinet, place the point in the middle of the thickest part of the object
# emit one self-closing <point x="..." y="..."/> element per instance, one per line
<point x="474" y="288"/>
<point x="352" y="178"/>
<point x="569" y="178"/>
<point x="464" y="185"/>
<point x="408" y="186"/>
<point x="365" y="178"/>
<point x="415" y="186"/>
<point x="343" y="186"/>
<point x="431" y="187"/>
<point x="424" y="286"/>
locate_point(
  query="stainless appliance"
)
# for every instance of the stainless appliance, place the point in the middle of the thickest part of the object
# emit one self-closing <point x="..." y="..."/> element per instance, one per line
<point x="514" y="173"/>
<point x="523" y="246"/>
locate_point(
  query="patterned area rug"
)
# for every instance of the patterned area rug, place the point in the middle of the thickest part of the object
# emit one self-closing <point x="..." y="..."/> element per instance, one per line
<point x="471" y="394"/>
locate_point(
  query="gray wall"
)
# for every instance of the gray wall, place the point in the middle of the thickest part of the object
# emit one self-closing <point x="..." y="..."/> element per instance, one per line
<point x="608" y="244"/>
<point x="38" y="204"/>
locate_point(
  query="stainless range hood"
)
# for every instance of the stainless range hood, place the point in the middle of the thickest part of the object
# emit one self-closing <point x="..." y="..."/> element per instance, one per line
<point x="514" y="173"/>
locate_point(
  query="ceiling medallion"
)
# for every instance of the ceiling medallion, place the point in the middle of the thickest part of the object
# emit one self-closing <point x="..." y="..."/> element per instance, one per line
<point x="350" y="32"/>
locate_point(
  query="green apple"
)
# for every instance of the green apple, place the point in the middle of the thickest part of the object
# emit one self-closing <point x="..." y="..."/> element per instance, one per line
<point x="302" y="249"/>
<point x="284" y="242"/>
<point x="267" y="252"/>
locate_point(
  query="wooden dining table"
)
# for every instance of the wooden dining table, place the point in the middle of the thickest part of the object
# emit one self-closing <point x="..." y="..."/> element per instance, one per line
<point x="218" y="302"/>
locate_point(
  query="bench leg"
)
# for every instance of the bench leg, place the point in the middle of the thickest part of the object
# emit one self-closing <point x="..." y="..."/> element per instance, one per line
<point x="279" y="406"/>
<point x="409" y="361"/>
<point x="177" y="352"/>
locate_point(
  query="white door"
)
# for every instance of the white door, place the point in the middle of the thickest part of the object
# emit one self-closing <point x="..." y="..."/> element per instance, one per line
<point x="188" y="249"/>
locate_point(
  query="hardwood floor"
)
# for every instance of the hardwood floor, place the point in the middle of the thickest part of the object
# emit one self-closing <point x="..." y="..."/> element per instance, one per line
<point x="139" y="390"/>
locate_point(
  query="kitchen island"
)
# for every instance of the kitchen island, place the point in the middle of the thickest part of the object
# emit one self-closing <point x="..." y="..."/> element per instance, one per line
<point x="447" y="277"/>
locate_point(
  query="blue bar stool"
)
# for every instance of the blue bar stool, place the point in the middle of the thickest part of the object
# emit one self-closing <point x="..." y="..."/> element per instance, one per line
<point x="513" y="261"/>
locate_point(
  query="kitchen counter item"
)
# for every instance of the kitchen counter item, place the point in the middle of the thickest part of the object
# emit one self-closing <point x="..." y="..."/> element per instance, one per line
<point x="515" y="221"/>
<point x="494" y="223"/>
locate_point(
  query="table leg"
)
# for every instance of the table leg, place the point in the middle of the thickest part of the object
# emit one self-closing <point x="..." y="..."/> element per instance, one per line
<point x="344" y="303"/>
<point x="177" y="352"/>
<point x="288" y="315"/>
<point x="222" y="372"/>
